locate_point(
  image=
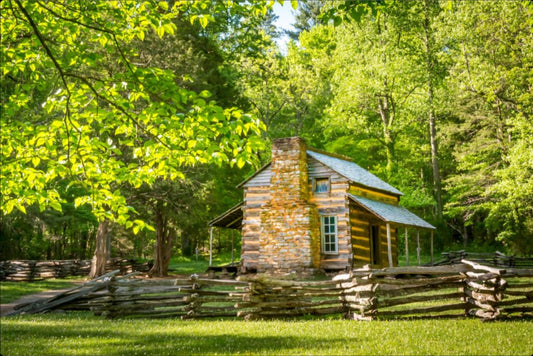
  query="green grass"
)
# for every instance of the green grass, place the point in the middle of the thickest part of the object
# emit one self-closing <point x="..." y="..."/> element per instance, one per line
<point x="11" y="291"/>
<point x="80" y="333"/>
<point x="189" y="265"/>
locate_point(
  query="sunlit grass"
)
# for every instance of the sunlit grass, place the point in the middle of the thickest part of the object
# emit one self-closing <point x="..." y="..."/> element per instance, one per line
<point x="83" y="334"/>
<point x="189" y="265"/>
<point x="11" y="291"/>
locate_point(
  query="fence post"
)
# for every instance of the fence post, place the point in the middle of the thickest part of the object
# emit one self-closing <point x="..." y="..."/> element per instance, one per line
<point x="109" y="309"/>
<point x="483" y="291"/>
<point x="359" y="299"/>
<point x="194" y="304"/>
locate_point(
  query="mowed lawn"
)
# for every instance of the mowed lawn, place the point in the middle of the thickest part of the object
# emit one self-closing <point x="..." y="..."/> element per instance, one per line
<point x="81" y="333"/>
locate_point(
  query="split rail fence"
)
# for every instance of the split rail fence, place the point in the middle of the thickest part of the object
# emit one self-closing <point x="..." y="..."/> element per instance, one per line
<point x="466" y="289"/>
<point x="30" y="270"/>
<point x="496" y="259"/>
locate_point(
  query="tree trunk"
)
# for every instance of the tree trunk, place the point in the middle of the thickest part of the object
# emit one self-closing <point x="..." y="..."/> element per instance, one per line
<point x="430" y="67"/>
<point x="437" y="189"/>
<point x="386" y="122"/>
<point x="163" y="244"/>
<point x="101" y="252"/>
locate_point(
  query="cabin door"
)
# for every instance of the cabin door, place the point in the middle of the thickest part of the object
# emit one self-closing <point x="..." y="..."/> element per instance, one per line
<point x="374" y="246"/>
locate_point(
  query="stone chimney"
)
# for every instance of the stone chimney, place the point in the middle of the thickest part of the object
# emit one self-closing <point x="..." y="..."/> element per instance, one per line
<point x="289" y="180"/>
<point x="289" y="223"/>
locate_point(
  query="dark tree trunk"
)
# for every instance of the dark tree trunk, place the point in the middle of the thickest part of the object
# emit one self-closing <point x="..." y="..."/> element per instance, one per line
<point x="84" y="237"/>
<point x="101" y="252"/>
<point x="163" y="244"/>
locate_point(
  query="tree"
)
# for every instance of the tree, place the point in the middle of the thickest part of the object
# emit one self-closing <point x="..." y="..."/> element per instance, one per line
<point x="307" y="17"/>
<point x="491" y="189"/>
<point x="374" y="82"/>
<point x="77" y="106"/>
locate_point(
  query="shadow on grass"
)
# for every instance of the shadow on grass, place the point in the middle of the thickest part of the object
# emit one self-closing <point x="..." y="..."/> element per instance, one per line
<point x="54" y="338"/>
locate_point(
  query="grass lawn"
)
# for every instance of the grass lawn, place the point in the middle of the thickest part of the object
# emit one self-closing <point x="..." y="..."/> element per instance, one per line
<point x="81" y="333"/>
<point x="189" y="265"/>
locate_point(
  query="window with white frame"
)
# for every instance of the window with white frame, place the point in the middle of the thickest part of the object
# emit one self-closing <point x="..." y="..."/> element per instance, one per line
<point x="328" y="231"/>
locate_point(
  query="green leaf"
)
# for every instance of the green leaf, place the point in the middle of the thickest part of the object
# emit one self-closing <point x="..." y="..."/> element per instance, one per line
<point x="294" y="4"/>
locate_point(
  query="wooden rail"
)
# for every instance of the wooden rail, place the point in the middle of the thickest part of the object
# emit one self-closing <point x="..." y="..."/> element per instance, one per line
<point x="468" y="289"/>
<point x="464" y="290"/>
<point x="30" y="270"/>
<point x="496" y="259"/>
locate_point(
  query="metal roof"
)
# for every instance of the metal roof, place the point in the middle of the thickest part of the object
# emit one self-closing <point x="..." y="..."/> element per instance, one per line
<point x="353" y="172"/>
<point x="391" y="213"/>
<point x="231" y="219"/>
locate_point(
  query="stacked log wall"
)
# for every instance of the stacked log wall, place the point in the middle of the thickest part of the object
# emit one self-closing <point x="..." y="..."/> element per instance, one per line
<point x="360" y="222"/>
<point x="334" y="202"/>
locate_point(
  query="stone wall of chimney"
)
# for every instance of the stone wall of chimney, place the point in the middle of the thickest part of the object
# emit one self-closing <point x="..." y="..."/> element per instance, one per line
<point x="290" y="231"/>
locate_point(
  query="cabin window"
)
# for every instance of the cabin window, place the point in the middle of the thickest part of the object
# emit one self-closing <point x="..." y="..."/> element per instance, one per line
<point x="328" y="229"/>
<point x="321" y="185"/>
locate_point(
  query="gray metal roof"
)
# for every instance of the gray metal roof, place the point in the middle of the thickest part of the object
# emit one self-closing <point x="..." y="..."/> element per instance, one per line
<point x="231" y="218"/>
<point x="353" y="172"/>
<point x="391" y="213"/>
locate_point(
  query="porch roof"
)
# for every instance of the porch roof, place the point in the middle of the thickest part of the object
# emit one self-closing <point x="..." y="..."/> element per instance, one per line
<point x="231" y="219"/>
<point x="391" y="213"/>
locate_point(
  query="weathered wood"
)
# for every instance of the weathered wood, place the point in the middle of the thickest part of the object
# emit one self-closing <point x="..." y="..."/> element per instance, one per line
<point x="479" y="287"/>
<point x="35" y="308"/>
<point x="417" y="299"/>
<point x="425" y="310"/>
<point x="519" y="272"/>
<point x="486" y="305"/>
<point x="480" y="267"/>
<point x="411" y="290"/>
<point x="517" y="310"/>
<point x="221" y="282"/>
<point x="483" y="297"/>
<point x="288" y="283"/>
<point x="415" y="270"/>
<point x="287" y="304"/>
<point x="515" y="302"/>
<point x="296" y="312"/>
<point x="528" y="293"/>
<point x="389" y="245"/>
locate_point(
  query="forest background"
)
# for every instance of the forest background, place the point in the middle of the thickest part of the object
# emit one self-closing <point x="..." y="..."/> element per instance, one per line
<point x="127" y="125"/>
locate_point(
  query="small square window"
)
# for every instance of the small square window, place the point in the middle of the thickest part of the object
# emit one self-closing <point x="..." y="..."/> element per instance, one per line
<point x="321" y="185"/>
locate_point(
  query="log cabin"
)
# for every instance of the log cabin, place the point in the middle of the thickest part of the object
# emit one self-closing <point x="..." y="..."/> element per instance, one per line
<point x="308" y="209"/>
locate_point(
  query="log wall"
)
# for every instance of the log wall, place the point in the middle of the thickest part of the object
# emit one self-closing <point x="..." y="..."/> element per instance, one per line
<point x="334" y="203"/>
<point x="360" y="224"/>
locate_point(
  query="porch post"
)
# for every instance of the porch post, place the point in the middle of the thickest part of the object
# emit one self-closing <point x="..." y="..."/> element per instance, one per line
<point x="232" y="245"/>
<point x="406" y="248"/>
<point x="210" y="246"/>
<point x="432" y="247"/>
<point x="389" y="247"/>
<point x="418" y="246"/>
